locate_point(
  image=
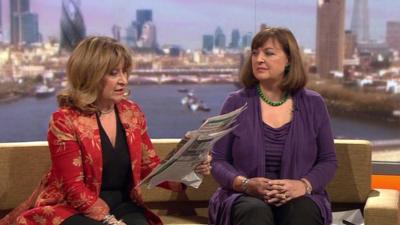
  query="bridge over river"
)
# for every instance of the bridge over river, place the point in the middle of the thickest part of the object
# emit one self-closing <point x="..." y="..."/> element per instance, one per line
<point x="187" y="75"/>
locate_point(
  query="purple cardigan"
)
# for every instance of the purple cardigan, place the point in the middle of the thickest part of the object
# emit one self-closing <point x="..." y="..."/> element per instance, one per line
<point x="308" y="152"/>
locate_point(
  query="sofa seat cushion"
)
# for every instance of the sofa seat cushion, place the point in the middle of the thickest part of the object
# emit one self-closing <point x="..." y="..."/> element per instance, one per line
<point x="382" y="207"/>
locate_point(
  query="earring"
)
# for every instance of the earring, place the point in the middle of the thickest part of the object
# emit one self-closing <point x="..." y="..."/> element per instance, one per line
<point x="127" y="93"/>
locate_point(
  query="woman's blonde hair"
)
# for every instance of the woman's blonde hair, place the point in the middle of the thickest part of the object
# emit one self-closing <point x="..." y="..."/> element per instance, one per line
<point x="295" y="75"/>
<point x="90" y="61"/>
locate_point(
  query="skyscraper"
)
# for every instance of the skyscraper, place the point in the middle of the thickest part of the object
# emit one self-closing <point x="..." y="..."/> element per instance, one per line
<point x="29" y="27"/>
<point x="132" y="33"/>
<point x="220" y="38"/>
<point x="349" y="44"/>
<point x="72" y="25"/>
<point x="116" y="32"/>
<point x="235" y="39"/>
<point x="330" y="36"/>
<point x="143" y="16"/>
<point x="263" y="26"/>
<point x="246" y="40"/>
<point x="393" y="34"/>
<point x="360" y="20"/>
<point x="148" y="39"/>
<point x="208" y="42"/>
<point x="17" y="7"/>
<point x="1" y="22"/>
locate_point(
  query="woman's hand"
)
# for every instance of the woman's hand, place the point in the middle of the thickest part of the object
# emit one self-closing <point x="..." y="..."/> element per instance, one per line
<point x="111" y="220"/>
<point x="256" y="187"/>
<point x="98" y="210"/>
<point x="282" y="191"/>
<point x="204" y="168"/>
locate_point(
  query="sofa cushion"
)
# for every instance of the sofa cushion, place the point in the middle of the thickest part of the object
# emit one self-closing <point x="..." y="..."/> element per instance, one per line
<point x="22" y="165"/>
<point x="382" y="207"/>
<point x="352" y="182"/>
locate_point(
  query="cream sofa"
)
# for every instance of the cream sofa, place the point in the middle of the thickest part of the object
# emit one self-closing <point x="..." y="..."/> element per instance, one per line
<point x="22" y="165"/>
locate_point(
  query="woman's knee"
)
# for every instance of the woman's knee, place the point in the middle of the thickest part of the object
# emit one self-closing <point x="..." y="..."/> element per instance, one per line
<point x="305" y="205"/>
<point x="248" y="204"/>
<point x="247" y="209"/>
<point x="301" y="210"/>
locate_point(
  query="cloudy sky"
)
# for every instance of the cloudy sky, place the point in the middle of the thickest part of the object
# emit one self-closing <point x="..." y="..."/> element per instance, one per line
<point x="184" y="22"/>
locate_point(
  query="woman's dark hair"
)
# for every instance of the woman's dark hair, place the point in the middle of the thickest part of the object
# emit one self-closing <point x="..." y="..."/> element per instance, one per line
<point x="295" y="76"/>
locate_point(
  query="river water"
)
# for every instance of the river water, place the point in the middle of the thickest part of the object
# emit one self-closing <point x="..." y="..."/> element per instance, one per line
<point x="26" y="119"/>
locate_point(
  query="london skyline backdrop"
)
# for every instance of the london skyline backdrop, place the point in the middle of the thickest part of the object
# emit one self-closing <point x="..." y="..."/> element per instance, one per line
<point x="184" y="22"/>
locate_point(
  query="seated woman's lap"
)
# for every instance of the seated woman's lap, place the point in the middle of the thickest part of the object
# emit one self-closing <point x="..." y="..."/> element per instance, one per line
<point x="129" y="212"/>
<point x="250" y="210"/>
<point x="299" y="211"/>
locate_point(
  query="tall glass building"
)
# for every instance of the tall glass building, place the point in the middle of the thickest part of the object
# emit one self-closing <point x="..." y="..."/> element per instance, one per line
<point x="72" y="25"/>
<point x="220" y="39"/>
<point x="29" y="27"/>
<point x="208" y="42"/>
<point x="143" y="16"/>
<point x="17" y="8"/>
<point x="235" y="39"/>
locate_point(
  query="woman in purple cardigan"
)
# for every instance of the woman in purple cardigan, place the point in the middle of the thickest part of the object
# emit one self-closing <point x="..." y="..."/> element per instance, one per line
<point x="274" y="167"/>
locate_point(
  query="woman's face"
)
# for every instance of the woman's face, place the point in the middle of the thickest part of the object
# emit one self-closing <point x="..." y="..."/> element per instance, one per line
<point x="269" y="61"/>
<point x="114" y="85"/>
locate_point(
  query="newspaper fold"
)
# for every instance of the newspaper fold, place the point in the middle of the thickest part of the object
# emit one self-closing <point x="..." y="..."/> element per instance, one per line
<point x="191" y="150"/>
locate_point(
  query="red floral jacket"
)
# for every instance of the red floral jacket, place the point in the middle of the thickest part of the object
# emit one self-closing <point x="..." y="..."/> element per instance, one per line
<point x="73" y="184"/>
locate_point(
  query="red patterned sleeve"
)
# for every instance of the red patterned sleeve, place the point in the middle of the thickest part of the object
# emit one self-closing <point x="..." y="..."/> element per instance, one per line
<point x="67" y="162"/>
<point x="150" y="158"/>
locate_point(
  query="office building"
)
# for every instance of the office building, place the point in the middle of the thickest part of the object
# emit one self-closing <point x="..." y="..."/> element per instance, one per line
<point x="17" y="7"/>
<point x="393" y="34"/>
<point x="148" y="39"/>
<point x="246" y="40"/>
<point x="1" y="23"/>
<point x="235" y="39"/>
<point x="208" y="42"/>
<point x="220" y="39"/>
<point x="132" y="33"/>
<point x="330" y="36"/>
<point x="350" y="43"/>
<point x="29" y="28"/>
<point x="116" y="32"/>
<point x="360" y="21"/>
<point x="143" y="16"/>
<point x="72" y="25"/>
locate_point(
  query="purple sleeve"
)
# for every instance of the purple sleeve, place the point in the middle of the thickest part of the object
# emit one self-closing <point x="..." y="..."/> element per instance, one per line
<point x="326" y="163"/>
<point x="222" y="168"/>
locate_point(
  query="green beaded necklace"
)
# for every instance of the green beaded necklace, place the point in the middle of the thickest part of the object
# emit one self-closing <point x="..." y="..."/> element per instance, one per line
<point x="269" y="101"/>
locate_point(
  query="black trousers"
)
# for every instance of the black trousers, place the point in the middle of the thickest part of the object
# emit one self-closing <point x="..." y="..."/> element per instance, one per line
<point x="249" y="210"/>
<point x="129" y="212"/>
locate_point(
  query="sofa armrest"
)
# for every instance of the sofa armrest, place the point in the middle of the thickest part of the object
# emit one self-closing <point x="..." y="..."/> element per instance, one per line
<point x="382" y="207"/>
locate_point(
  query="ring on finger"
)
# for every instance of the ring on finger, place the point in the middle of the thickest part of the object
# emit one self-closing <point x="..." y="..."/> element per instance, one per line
<point x="284" y="196"/>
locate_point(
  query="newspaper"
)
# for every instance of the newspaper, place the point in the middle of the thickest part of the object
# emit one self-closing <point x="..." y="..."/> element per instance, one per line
<point x="191" y="150"/>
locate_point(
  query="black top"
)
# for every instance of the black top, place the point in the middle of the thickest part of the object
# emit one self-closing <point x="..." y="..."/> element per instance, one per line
<point x="117" y="173"/>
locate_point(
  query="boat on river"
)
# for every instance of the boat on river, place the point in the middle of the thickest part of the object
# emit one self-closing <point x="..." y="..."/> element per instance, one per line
<point x="193" y="103"/>
<point x="43" y="90"/>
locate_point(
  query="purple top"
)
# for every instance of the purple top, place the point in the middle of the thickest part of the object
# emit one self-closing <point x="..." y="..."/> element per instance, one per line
<point x="274" y="139"/>
<point x="308" y="151"/>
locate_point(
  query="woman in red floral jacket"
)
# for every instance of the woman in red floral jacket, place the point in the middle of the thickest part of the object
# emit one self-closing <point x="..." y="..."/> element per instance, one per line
<point x="99" y="147"/>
